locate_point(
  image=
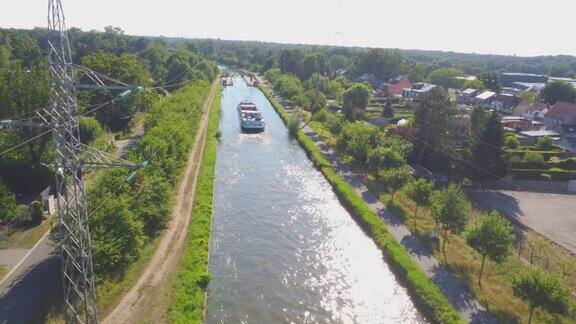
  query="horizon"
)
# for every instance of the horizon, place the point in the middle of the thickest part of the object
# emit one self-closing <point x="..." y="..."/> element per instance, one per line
<point x="453" y="27"/>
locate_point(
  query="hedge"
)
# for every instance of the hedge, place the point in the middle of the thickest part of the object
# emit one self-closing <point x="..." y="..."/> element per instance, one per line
<point x="192" y="280"/>
<point x="536" y="174"/>
<point x="427" y="293"/>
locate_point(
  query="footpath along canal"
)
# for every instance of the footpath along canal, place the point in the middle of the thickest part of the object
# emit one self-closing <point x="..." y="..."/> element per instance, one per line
<point x="283" y="248"/>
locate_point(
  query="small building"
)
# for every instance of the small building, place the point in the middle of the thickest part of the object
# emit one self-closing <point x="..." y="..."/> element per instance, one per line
<point x="417" y="89"/>
<point x="373" y="80"/>
<point x="508" y="79"/>
<point x="485" y="99"/>
<point x="466" y="97"/>
<point x="517" y="123"/>
<point x="530" y="137"/>
<point x="527" y="110"/>
<point x="561" y="113"/>
<point x="566" y="130"/>
<point x="567" y="143"/>
<point x="396" y="86"/>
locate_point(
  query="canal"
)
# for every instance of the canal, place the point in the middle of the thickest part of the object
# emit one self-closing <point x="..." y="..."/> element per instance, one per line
<point x="283" y="248"/>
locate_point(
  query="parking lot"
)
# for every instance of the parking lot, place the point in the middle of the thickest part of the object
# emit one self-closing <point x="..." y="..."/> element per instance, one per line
<point x="552" y="215"/>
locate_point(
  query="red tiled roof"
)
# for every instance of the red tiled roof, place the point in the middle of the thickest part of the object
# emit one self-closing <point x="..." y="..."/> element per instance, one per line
<point x="561" y="110"/>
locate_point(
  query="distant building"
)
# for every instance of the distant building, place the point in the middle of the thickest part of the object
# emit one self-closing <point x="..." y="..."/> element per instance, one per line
<point x="466" y="97"/>
<point x="530" y="137"/>
<point x="528" y="110"/>
<point x="373" y="80"/>
<point x="485" y="99"/>
<point x="396" y="86"/>
<point x="566" y="130"/>
<point x="567" y="143"/>
<point x="561" y="113"/>
<point x="508" y="79"/>
<point x="516" y="123"/>
<point x="417" y="89"/>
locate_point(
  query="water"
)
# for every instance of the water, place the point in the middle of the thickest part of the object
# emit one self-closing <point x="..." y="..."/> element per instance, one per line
<point x="283" y="248"/>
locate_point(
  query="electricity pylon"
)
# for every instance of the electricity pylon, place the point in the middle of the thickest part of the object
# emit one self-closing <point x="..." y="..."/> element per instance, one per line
<point x="74" y="235"/>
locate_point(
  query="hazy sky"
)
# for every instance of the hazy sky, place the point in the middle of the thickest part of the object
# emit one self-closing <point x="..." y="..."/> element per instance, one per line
<point x="490" y="26"/>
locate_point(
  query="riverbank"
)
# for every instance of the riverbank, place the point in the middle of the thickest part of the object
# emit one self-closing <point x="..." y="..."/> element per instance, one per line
<point x="427" y="293"/>
<point x="189" y="292"/>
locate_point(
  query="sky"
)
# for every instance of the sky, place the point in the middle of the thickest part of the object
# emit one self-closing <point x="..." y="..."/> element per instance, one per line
<point x="508" y="27"/>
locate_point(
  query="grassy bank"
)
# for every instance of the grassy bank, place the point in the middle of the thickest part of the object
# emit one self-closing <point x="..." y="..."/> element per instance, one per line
<point x="427" y="293"/>
<point x="193" y="277"/>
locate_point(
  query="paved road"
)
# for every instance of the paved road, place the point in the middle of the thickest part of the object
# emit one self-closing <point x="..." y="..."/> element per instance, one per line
<point x="552" y="215"/>
<point x="23" y="291"/>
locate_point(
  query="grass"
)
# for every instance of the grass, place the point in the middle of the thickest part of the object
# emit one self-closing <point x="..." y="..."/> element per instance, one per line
<point x="3" y="272"/>
<point x="25" y="234"/>
<point x="496" y="292"/>
<point x="189" y="292"/>
<point x="427" y="293"/>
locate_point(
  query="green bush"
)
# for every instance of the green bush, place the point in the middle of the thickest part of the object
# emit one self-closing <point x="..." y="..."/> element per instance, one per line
<point x="90" y="129"/>
<point x="357" y="139"/>
<point x="293" y="124"/>
<point x="384" y="158"/>
<point x="533" y="157"/>
<point x="7" y="203"/>
<point x="535" y="174"/>
<point x="36" y="212"/>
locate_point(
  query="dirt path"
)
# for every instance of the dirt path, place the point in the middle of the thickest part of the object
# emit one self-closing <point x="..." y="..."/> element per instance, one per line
<point x="148" y="300"/>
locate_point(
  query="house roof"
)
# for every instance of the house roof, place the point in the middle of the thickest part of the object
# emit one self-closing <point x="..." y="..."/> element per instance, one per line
<point x="469" y="91"/>
<point x="561" y="110"/>
<point x="525" y="106"/>
<point x="567" y="129"/>
<point x="568" y="143"/>
<point x="485" y="95"/>
<point x="396" y="79"/>
<point x="538" y="133"/>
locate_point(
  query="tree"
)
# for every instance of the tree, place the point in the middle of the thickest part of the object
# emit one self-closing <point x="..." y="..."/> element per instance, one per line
<point x="419" y="191"/>
<point x="398" y="144"/>
<point x="417" y="72"/>
<point x="36" y="212"/>
<point x="449" y="207"/>
<point x="316" y="99"/>
<point x="488" y="157"/>
<point x="529" y="96"/>
<point x="388" y="112"/>
<point x="383" y="63"/>
<point x="7" y="203"/>
<point x="490" y="80"/>
<point x="384" y="158"/>
<point x="356" y="100"/>
<point x="446" y="77"/>
<point x="395" y="179"/>
<point x="539" y="289"/>
<point x="435" y="129"/>
<point x="356" y="139"/>
<point x="558" y="91"/>
<point x="478" y="119"/>
<point x="473" y="84"/>
<point x="544" y="143"/>
<point x="511" y="141"/>
<point x="491" y="236"/>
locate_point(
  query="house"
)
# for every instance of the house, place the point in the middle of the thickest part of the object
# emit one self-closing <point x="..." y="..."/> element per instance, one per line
<point x="566" y="130"/>
<point x="485" y="99"/>
<point x="516" y="123"/>
<point x="396" y="86"/>
<point x="466" y="97"/>
<point x="371" y="79"/>
<point x="417" y="90"/>
<point x="506" y="102"/>
<point x="530" y="137"/>
<point x="527" y="110"/>
<point x="561" y="113"/>
<point x="567" y="143"/>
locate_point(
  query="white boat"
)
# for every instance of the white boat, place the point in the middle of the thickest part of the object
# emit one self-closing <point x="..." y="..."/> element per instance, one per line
<point x="251" y="119"/>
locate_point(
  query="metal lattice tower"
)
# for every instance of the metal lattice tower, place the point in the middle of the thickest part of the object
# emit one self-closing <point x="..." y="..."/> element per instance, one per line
<point x="76" y="258"/>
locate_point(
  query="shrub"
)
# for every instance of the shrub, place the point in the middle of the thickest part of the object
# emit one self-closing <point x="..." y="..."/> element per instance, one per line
<point x="7" y="203"/>
<point x="90" y="129"/>
<point x="36" y="212"/>
<point x="510" y="141"/>
<point x="293" y="124"/>
<point x="384" y="158"/>
<point x="357" y="138"/>
<point x="544" y="143"/>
